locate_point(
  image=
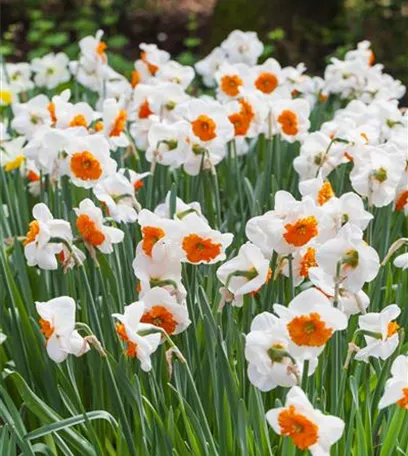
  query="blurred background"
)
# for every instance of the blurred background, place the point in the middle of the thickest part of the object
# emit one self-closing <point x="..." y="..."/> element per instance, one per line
<point x="293" y="30"/>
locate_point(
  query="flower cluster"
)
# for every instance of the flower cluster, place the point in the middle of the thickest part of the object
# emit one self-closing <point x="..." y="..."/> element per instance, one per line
<point x="89" y="162"/>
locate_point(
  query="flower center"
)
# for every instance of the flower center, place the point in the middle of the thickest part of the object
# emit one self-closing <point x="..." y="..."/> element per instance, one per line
<point x="289" y="122"/>
<point x="301" y="232"/>
<point x="199" y="249"/>
<point x="85" y="166"/>
<point x="144" y="110"/>
<point x="46" y="328"/>
<point x="204" y="127"/>
<point x="78" y="121"/>
<point x="161" y="317"/>
<point x="392" y="328"/>
<point x="309" y="330"/>
<point x="14" y="164"/>
<point x="131" y="349"/>
<point x="380" y="175"/>
<point x="240" y="123"/>
<point x="308" y="261"/>
<point x="231" y="84"/>
<point x="350" y="259"/>
<point x="120" y="123"/>
<point x="277" y="353"/>
<point x="33" y="231"/>
<point x="151" y="235"/>
<point x="89" y="231"/>
<point x="325" y="193"/>
<point x="302" y="431"/>
<point x="266" y="82"/>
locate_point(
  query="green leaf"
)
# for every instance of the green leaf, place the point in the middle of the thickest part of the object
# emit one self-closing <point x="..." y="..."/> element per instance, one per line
<point x="72" y="421"/>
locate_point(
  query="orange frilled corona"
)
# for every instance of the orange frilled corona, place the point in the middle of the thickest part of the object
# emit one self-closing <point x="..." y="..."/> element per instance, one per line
<point x="33" y="176"/>
<point x="120" y="124"/>
<point x="89" y="231"/>
<point x="85" y="166"/>
<point x="100" y="50"/>
<point x="308" y="261"/>
<point x="152" y="68"/>
<point x="301" y="232"/>
<point x="131" y="349"/>
<point x="144" y="110"/>
<point x="136" y="79"/>
<point x="392" y="328"/>
<point x="78" y="121"/>
<point x="46" y="328"/>
<point x="402" y="201"/>
<point x="231" y="84"/>
<point x="309" y="330"/>
<point x="161" y="317"/>
<point x="242" y="120"/>
<point x="200" y="249"/>
<point x="403" y="402"/>
<point x="51" y="110"/>
<point x="289" y="122"/>
<point x="240" y="123"/>
<point x="303" y="432"/>
<point x="325" y="193"/>
<point x="33" y="231"/>
<point x="204" y="127"/>
<point x="266" y="82"/>
<point x="151" y="235"/>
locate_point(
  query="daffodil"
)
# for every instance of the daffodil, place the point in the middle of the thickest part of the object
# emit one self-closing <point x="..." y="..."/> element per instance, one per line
<point x="396" y="388"/>
<point x="57" y="321"/>
<point x="307" y="427"/>
<point x="141" y="339"/>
